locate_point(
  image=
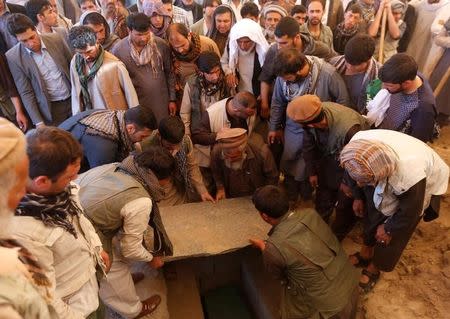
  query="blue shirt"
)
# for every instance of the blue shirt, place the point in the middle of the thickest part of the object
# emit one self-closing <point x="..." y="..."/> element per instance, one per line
<point x="57" y="88"/>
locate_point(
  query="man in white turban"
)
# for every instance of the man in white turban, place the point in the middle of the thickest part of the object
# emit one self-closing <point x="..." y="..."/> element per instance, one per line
<point x="244" y="56"/>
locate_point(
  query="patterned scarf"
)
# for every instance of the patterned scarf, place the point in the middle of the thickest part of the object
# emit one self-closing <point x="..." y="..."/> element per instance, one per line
<point x="40" y="279"/>
<point x="182" y="171"/>
<point x="80" y="65"/>
<point x="341" y="31"/>
<point x="149" y="55"/>
<point x="399" y="111"/>
<point x="368" y="11"/>
<point x="208" y="88"/>
<point x="109" y="125"/>
<point x="305" y="86"/>
<point x="368" y="162"/>
<point x="193" y="53"/>
<point x="52" y="210"/>
<point x="148" y="180"/>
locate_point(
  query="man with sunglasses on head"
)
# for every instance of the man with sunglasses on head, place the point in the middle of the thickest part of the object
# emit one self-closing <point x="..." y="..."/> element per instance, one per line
<point x="298" y="75"/>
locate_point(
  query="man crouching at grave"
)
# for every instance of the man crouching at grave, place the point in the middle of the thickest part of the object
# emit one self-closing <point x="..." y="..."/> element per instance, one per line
<point x="239" y="166"/>
<point x="187" y="183"/>
<point x="121" y="201"/>
<point x="318" y="279"/>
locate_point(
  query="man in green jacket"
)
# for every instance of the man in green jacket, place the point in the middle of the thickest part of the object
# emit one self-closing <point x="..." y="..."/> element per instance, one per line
<point x="318" y="280"/>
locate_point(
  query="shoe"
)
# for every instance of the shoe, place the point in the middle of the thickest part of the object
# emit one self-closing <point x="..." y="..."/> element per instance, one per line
<point x="373" y="279"/>
<point x="149" y="305"/>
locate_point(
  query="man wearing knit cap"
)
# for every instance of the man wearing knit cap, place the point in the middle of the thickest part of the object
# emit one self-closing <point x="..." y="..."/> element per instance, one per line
<point x="402" y="180"/>
<point x="20" y="290"/>
<point x="272" y="14"/>
<point x="238" y="111"/>
<point x="239" y="167"/>
<point x="327" y="127"/>
<point x="299" y="75"/>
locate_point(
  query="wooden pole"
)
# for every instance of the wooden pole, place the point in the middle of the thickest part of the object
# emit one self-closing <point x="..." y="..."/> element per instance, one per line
<point x="382" y="36"/>
<point x="442" y="82"/>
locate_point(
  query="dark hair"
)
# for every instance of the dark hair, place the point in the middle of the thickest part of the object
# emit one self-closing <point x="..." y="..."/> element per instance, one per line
<point x="299" y="8"/>
<point x="249" y="9"/>
<point x="167" y="1"/>
<point x="355" y="8"/>
<point x="158" y="160"/>
<point x="210" y="3"/>
<point x="51" y="150"/>
<point x="244" y="99"/>
<point x="287" y="26"/>
<point x="171" y="129"/>
<point x="289" y="61"/>
<point x="207" y="61"/>
<point x="178" y="28"/>
<point x="271" y="200"/>
<point x="311" y="1"/>
<point x="139" y="22"/>
<point x="359" y="49"/>
<point x="399" y="68"/>
<point x="140" y="116"/>
<point x="80" y="2"/>
<point x="82" y="36"/>
<point x="35" y="7"/>
<point x="223" y="9"/>
<point x="95" y="18"/>
<point x="19" y="23"/>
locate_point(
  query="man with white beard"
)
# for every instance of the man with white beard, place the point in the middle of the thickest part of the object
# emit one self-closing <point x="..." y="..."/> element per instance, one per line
<point x="23" y="285"/>
<point x="243" y="59"/>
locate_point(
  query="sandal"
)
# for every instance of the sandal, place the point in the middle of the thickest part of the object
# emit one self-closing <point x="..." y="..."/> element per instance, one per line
<point x="362" y="262"/>
<point x="149" y="305"/>
<point x="373" y="279"/>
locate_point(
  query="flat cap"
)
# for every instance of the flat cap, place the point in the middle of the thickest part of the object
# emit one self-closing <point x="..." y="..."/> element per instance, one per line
<point x="304" y="108"/>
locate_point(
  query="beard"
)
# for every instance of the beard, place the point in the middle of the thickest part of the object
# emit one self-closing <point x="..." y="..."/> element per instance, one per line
<point x="247" y="52"/>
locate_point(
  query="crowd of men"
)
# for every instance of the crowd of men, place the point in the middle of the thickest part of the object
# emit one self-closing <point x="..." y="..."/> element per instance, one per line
<point x="160" y="104"/>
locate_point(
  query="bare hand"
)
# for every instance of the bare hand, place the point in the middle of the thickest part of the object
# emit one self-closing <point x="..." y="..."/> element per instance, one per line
<point x="105" y="257"/>
<point x="258" y="243"/>
<point x="156" y="262"/>
<point x="220" y="194"/>
<point x="207" y="197"/>
<point x="275" y="137"/>
<point x="22" y="121"/>
<point x="346" y="190"/>
<point x="358" y="207"/>
<point x="172" y="108"/>
<point x="264" y="111"/>
<point x="381" y="236"/>
<point x="231" y="80"/>
<point x="314" y="181"/>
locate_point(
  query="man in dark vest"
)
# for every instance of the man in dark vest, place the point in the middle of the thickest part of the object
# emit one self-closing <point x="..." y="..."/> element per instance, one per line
<point x="313" y="268"/>
<point x="109" y="136"/>
<point x="327" y="128"/>
<point x="121" y="199"/>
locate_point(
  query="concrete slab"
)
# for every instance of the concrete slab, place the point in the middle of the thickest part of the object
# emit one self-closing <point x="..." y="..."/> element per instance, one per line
<point x="204" y="229"/>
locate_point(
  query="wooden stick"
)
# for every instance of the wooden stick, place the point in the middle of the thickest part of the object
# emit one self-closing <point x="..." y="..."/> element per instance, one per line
<point x="382" y="36"/>
<point x="442" y="82"/>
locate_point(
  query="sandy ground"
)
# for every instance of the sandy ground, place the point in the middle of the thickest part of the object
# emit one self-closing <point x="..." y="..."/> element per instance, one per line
<point x="419" y="286"/>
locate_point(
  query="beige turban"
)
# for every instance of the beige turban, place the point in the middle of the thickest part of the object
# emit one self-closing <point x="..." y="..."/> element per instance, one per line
<point x="304" y="108"/>
<point x="12" y="145"/>
<point x="232" y="138"/>
<point x="368" y="162"/>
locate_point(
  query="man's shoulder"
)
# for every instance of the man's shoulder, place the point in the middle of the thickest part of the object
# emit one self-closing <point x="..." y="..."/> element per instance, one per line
<point x="206" y="43"/>
<point x="33" y="231"/>
<point x="120" y="46"/>
<point x="14" y="52"/>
